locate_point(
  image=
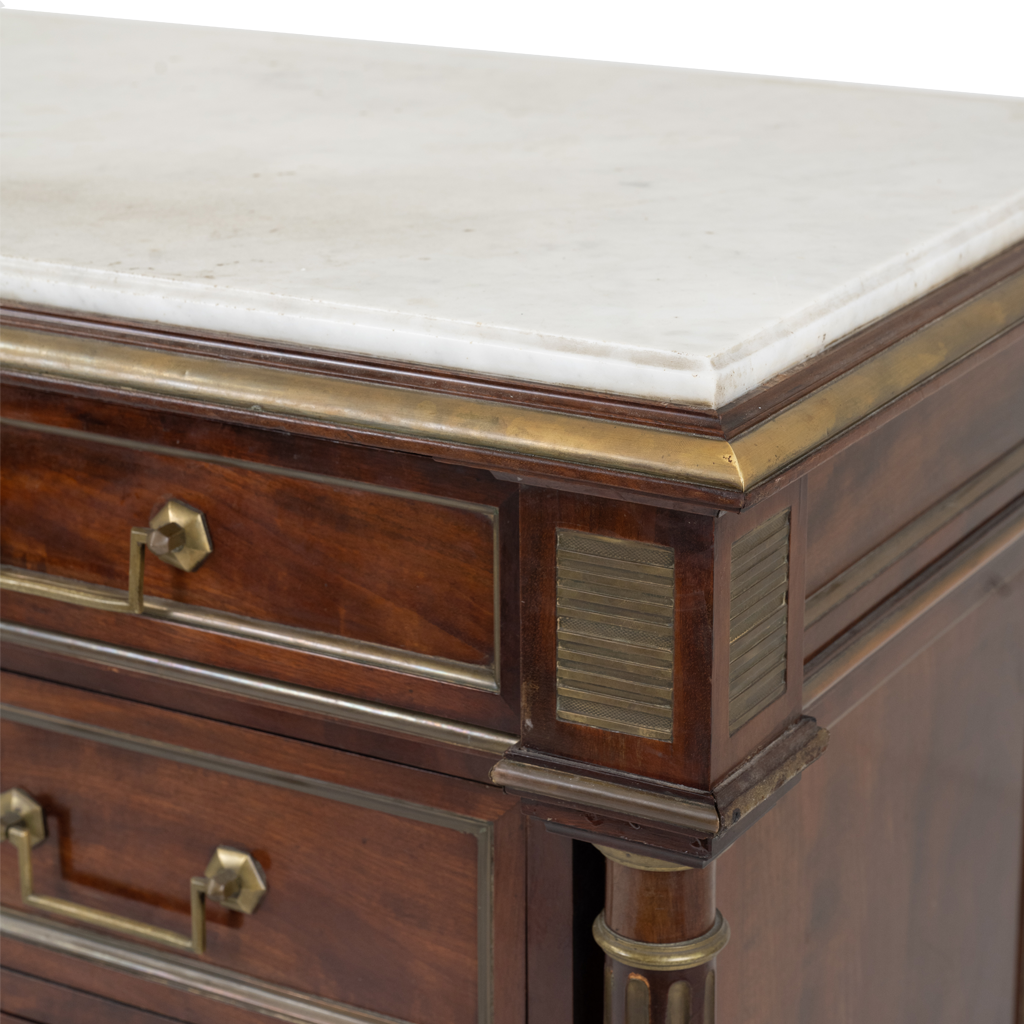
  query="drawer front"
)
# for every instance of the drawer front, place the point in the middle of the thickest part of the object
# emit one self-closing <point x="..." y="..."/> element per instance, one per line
<point x="389" y="890"/>
<point x="375" y="574"/>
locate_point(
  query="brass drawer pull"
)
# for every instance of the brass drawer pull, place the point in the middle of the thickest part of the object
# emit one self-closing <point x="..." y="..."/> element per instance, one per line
<point x="177" y="535"/>
<point x="233" y="878"/>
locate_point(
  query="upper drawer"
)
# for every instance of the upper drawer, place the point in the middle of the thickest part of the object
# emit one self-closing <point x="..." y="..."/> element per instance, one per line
<point x="376" y="561"/>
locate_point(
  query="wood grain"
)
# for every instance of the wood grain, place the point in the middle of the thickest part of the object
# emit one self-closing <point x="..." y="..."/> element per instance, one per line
<point x="367" y="907"/>
<point x="370" y="566"/>
<point x="885" y="887"/>
<point x="910" y="463"/>
<point x="45" y="1002"/>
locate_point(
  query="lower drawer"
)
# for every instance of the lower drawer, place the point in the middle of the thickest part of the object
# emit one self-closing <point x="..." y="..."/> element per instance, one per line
<point x="390" y="891"/>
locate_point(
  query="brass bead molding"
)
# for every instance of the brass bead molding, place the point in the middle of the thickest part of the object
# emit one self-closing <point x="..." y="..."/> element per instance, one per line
<point x="737" y="466"/>
<point x="663" y="956"/>
<point x="638" y="862"/>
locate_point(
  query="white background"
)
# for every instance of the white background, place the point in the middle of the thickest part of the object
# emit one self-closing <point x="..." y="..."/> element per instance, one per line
<point x="964" y="46"/>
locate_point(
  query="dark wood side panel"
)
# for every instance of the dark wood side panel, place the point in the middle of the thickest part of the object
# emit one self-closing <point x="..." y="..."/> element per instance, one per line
<point x="885" y="887"/>
<point x="368" y="905"/>
<point x="911" y="462"/>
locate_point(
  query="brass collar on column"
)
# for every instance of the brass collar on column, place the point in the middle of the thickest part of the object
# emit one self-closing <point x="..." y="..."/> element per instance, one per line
<point x="663" y="956"/>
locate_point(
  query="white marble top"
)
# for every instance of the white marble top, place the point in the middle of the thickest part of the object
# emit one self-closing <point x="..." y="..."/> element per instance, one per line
<point x="651" y="232"/>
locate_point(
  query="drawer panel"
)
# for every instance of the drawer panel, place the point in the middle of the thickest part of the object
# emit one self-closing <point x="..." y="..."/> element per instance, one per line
<point x="389" y="889"/>
<point x="377" y="575"/>
<point x="335" y="556"/>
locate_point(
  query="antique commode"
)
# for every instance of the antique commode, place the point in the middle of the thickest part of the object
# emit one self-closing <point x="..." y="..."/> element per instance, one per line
<point x="454" y="504"/>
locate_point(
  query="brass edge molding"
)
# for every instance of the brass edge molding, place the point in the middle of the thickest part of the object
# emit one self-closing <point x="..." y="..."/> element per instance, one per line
<point x="361" y="652"/>
<point x="911" y="536"/>
<point x="750" y="459"/>
<point x="612" y="797"/>
<point x="638" y="862"/>
<point x="184" y="973"/>
<point x="770" y="446"/>
<point x="490" y="512"/>
<point x="475" y="423"/>
<point x="480" y="829"/>
<point x="662" y="956"/>
<point x="748" y="800"/>
<point x="377" y="716"/>
<point x="907" y="605"/>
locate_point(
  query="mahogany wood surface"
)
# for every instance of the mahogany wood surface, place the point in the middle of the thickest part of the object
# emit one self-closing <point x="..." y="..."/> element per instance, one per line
<point x="266" y="660"/>
<point x="366" y="906"/>
<point x="110" y="984"/>
<point x="44" y="1002"/>
<point x="885" y="886"/>
<point x="354" y="563"/>
<point x="868" y="491"/>
<point x="251" y="713"/>
<point x="659" y="906"/>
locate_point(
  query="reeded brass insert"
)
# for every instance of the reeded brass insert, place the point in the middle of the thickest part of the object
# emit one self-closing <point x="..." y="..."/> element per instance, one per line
<point x="232" y="878"/>
<point x="177" y="535"/>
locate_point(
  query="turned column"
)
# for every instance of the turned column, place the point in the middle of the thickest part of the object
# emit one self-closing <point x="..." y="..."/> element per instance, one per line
<point x="660" y="933"/>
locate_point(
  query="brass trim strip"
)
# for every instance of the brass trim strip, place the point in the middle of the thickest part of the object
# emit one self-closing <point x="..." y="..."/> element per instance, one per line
<point x="614" y="798"/>
<point x="185" y="973"/>
<point x="809" y="422"/>
<point x="663" y="956"/>
<point x="377" y="716"/>
<point x="914" y="534"/>
<point x="750" y="459"/>
<point x="361" y="652"/>
<point x="489" y="512"/>
<point x="452" y="419"/>
<point x="909" y="604"/>
<point x="480" y="829"/>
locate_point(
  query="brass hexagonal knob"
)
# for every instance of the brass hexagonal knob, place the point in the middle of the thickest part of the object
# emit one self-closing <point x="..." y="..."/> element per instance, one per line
<point x="177" y="535"/>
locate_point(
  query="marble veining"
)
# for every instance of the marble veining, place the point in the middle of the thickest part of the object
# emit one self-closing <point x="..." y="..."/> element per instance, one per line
<point x="673" y="235"/>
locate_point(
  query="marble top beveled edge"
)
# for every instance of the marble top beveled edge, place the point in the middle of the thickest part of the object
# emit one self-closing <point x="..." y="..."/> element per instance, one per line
<point x="832" y="205"/>
<point x="311" y="324"/>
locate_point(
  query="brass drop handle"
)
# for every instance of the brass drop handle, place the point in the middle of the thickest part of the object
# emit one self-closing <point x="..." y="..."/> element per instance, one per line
<point x="177" y="535"/>
<point x="232" y="878"/>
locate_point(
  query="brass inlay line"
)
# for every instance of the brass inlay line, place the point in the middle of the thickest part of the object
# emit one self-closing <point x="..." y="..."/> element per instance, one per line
<point x="398" y="411"/>
<point x="616" y="634"/>
<point x="751" y="458"/>
<point x="758" y="619"/>
<point x="765" y="449"/>
<point x="184" y="973"/>
<point x="480" y="829"/>
<point x="663" y="956"/>
<point x="379" y="716"/>
<point x="488" y="511"/>
<point x="362" y="652"/>
<point x="909" y="604"/>
<point x="915" y="533"/>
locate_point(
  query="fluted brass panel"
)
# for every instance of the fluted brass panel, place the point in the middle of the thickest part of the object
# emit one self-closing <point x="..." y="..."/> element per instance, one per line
<point x="616" y="634"/>
<point x="758" y="619"/>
